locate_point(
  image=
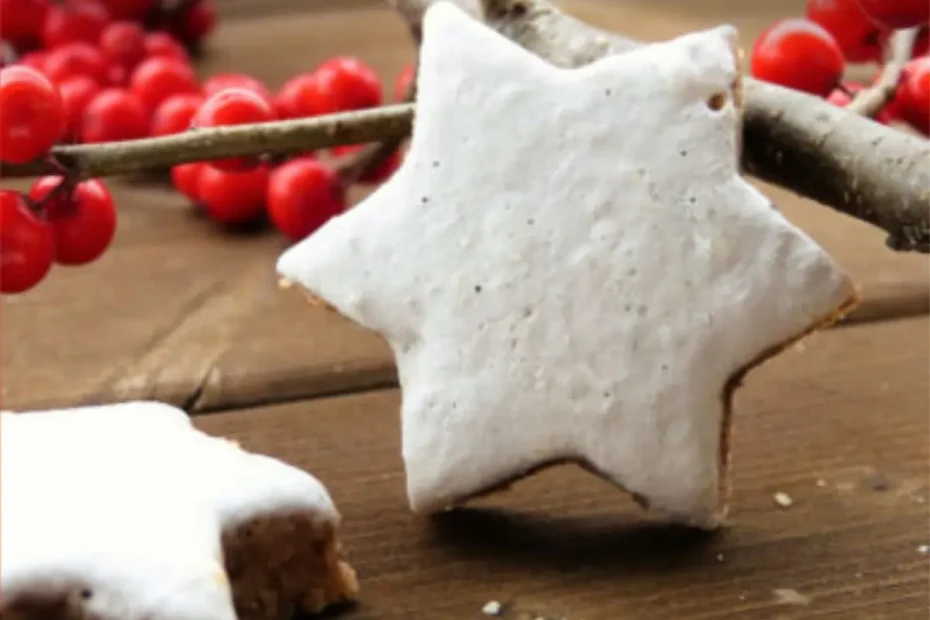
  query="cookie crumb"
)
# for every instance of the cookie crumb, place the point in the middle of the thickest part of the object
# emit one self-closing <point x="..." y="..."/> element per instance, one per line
<point x="821" y="482"/>
<point x="491" y="608"/>
<point x="790" y="596"/>
<point x="925" y="549"/>
<point x="720" y="557"/>
<point x="783" y="499"/>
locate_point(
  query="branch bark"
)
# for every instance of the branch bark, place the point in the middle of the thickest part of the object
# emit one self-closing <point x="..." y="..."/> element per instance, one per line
<point x="803" y="143"/>
<point x="294" y="136"/>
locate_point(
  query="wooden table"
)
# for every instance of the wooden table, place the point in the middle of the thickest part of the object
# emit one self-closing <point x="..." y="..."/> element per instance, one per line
<point x="182" y="312"/>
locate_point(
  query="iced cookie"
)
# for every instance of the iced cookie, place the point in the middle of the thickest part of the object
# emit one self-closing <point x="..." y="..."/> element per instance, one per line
<point x="569" y="268"/>
<point x="127" y="512"/>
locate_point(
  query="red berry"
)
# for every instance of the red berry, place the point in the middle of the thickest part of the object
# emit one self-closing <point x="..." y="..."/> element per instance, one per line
<point x="898" y="13"/>
<point x="303" y="194"/>
<point x="234" y="106"/>
<point x="72" y="21"/>
<point x="130" y="10"/>
<point x="27" y="245"/>
<point x="114" y="114"/>
<point x="233" y="197"/>
<point x="156" y="79"/>
<point x="798" y="54"/>
<point x="175" y="114"/>
<point x="292" y="92"/>
<point x="225" y="81"/>
<point x="913" y="94"/>
<point x="123" y="44"/>
<point x="196" y="22"/>
<point x="380" y="174"/>
<point x="858" y="36"/>
<point x="186" y="177"/>
<point x="34" y="60"/>
<point x="403" y="82"/>
<point x="339" y="85"/>
<point x="22" y="21"/>
<point x="164" y="45"/>
<point x="33" y="118"/>
<point x="83" y="220"/>
<point x="73" y="59"/>
<point x="76" y="93"/>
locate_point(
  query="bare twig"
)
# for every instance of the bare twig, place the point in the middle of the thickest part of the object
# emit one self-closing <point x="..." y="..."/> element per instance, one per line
<point x="870" y="101"/>
<point x="294" y="136"/>
<point x="863" y="169"/>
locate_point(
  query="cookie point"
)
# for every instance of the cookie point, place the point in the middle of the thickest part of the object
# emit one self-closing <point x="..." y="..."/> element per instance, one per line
<point x="442" y="13"/>
<point x="288" y="267"/>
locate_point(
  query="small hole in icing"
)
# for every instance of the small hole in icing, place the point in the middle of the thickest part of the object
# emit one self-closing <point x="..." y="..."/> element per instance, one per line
<point x="477" y="288"/>
<point x="518" y="9"/>
<point x="608" y="92"/>
<point x="86" y="593"/>
<point x="530" y="221"/>
<point x="683" y="153"/>
<point x="717" y="101"/>
<point x="435" y="163"/>
<point x="424" y="199"/>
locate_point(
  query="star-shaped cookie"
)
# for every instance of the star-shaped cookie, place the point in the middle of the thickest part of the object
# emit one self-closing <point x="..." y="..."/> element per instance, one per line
<point x="569" y="268"/>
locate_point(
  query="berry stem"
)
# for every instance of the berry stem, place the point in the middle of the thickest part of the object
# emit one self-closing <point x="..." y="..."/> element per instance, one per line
<point x="64" y="187"/>
<point x="870" y="101"/>
<point x="292" y="136"/>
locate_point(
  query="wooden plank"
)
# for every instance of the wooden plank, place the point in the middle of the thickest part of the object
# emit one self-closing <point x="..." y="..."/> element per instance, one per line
<point x="182" y="312"/>
<point x="841" y="426"/>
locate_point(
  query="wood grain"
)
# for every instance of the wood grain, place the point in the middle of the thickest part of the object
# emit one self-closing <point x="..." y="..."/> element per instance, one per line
<point x="184" y="312"/>
<point x="841" y="426"/>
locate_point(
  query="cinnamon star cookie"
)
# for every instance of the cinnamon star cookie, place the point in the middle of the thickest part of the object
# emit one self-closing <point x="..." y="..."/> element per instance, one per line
<point x="569" y="267"/>
<point x="127" y="512"/>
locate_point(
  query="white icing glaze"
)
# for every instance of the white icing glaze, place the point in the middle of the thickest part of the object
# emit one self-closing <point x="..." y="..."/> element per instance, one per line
<point x="569" y="265"/>
<point x="129" y="500"/>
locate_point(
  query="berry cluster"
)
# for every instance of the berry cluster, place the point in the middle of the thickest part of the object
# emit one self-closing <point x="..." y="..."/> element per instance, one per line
<point x="298" y="194"/>
<point x="38" y="27"/>
<point x="73" y="223"/>
<point x="810" y="54"/>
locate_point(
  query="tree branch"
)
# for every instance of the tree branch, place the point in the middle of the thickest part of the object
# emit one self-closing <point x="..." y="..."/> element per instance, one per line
<point x="293" y="136"/>
<point x="803" y="143"/>
<point x="870" y="101"/>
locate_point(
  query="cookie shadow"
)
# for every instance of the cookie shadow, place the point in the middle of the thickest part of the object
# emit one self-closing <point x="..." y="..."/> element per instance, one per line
<point x="595" y="543"/>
